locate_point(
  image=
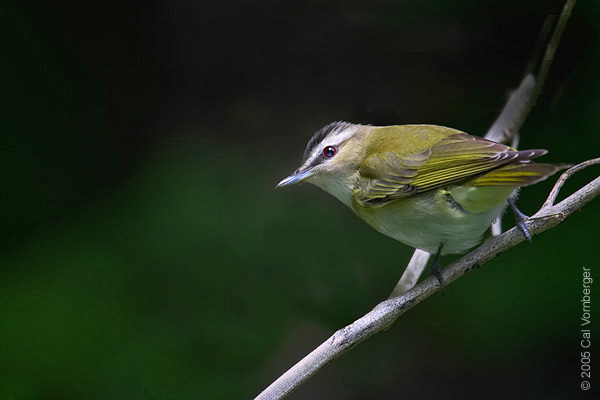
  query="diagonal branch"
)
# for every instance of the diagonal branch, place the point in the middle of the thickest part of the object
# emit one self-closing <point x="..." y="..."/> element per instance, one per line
<point x="386" y="312"/>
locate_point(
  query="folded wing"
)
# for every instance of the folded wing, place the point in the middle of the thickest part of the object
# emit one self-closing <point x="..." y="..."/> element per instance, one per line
<point x="455" y="159"/>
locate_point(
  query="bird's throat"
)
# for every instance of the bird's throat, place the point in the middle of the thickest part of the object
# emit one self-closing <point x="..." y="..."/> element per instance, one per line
<point x="339" y="187"/>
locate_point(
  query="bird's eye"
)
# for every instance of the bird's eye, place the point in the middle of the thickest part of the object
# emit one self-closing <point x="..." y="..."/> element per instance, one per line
<point x="329" y="151"/>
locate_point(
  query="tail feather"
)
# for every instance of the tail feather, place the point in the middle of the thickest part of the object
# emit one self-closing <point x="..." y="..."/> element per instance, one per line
<point x="520" y="174"/>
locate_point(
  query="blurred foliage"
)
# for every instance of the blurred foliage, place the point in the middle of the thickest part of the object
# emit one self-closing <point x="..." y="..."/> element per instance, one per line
<point x="147" y="254"/>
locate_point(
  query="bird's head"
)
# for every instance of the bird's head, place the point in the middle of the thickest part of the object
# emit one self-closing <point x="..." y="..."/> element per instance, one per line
<point x="331" y="160"/>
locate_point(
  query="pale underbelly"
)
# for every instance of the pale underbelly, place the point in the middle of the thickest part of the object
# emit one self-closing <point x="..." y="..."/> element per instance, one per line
<point x="426" y="221"/>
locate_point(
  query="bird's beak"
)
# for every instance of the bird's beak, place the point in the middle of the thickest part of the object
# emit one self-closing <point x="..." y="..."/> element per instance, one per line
<point x="296" y="177"/>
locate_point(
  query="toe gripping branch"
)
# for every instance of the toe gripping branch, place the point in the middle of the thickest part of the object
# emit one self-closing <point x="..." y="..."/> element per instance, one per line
<point x="436" y="268"/>
<point x="520" y="220"/>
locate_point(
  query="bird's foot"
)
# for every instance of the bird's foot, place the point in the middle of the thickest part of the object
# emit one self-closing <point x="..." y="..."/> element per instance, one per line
<point x="436" y="269"/>
<point x="520" y="220"/>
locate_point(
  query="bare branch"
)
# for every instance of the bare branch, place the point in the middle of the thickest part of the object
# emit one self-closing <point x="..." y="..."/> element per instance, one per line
<point x="386" y="312"/>
<point x="563" y="178"/>
<point x="411" y="274"/>
<point x="502" y="131"/>
<point x="546" y="62"/>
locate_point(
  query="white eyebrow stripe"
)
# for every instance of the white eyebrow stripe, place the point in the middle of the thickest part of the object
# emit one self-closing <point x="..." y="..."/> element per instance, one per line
<point x="335" y="138"/>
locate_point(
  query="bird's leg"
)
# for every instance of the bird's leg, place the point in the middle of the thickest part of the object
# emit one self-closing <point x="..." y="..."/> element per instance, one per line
<point x="436" y="268"/>
<point x="520" y="220"/>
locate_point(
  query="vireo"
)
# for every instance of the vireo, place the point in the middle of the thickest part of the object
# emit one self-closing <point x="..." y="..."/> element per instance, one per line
<point x="431" y="187"/>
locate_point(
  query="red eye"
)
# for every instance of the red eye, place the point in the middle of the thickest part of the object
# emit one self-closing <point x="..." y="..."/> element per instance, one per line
<point x="329" y="151"/>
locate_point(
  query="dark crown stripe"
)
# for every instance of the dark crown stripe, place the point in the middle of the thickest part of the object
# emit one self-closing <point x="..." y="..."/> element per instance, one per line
<point x="322" y="134"/>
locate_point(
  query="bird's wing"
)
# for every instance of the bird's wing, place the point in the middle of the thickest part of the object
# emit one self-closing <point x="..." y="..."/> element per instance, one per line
<point x="388" y="176"/>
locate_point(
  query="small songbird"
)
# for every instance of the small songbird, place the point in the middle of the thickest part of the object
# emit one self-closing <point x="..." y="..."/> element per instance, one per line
<point x="431" y="187"/>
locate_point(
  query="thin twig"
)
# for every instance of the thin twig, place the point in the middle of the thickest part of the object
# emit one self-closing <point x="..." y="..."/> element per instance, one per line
<point x="563" y="178"/>
<point x="546" y="62"/>
<point x="540" y="44"/>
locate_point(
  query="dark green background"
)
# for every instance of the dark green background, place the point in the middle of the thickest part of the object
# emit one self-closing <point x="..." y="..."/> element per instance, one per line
<point x="148" y="256"/>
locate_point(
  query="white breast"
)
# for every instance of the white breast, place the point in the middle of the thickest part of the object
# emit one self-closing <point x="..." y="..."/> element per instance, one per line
<point x="427" y="220"/>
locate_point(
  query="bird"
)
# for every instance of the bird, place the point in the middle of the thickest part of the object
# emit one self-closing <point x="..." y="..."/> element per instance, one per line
<point x="430" y="187"/>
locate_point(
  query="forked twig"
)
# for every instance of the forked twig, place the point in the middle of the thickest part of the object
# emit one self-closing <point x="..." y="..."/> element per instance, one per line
<point x="564" y="177"/>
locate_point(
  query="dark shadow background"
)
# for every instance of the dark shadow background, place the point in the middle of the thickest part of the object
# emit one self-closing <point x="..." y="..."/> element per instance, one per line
<point x="147" y="255"/>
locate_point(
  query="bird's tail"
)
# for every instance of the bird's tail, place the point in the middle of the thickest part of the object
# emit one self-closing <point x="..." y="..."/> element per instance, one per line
<point x="524" y="173"/>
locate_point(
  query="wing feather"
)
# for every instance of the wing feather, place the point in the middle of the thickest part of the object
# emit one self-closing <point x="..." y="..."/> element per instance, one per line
<point x="457" y="158"/>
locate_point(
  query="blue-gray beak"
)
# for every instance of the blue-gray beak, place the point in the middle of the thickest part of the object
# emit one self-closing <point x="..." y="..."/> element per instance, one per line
<point x="296" y="177"/>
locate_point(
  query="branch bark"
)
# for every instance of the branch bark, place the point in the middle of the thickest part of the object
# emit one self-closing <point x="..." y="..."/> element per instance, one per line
<point x="386" y="312"/>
